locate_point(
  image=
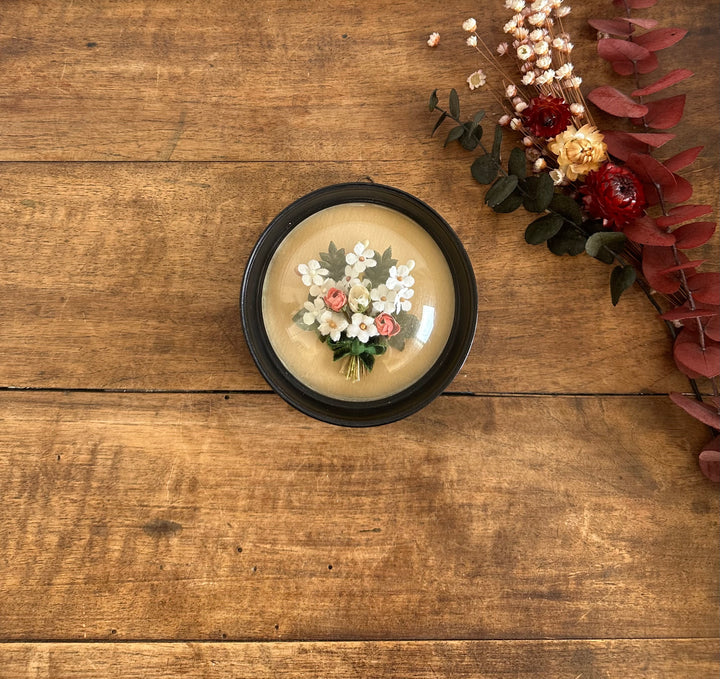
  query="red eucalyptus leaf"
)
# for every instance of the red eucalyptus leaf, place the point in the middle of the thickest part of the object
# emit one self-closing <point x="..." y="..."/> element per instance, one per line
<point x="683" y="159"/>
<point x="679" y="193"/>
<point x="647" y="65"/>
<point x="672" y="78"/>
<point x="712" y="329"/>
<point x="684" y="313"/>
<point x="655" y="259"/>
<point x="704" y="361"/>
<point x="647" y="24"/>
<point x="651" y="172"/>
<point x="660" y="38"/>
<point x="697" y="409"/>
<point x="682" y="213"/>
<point x="612" y="26"/>
<point x="683" y="267"/>
<point x="612" y="49"/>
<point x="634" y="4"/>
<point x="643" y="230"/>
<point x="705" y="287"/>
<point x="690" y="335"/>
<point x="616" y="103"/>
<point x="622" y="144"/>
<point x="665" y="113"/>
<point x="709" y="460"/>
<point x="694" y="235"/>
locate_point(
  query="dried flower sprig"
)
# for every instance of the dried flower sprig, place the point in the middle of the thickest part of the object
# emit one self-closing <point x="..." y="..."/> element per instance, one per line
<point x="603" y="192"/>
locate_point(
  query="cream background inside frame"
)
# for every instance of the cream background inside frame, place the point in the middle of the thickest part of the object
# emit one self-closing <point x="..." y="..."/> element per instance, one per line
<point x="308" y="359"/>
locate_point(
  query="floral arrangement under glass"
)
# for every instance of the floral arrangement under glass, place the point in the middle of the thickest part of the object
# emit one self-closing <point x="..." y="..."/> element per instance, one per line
<point x="602" y="192"/>
<point x="358" y="304"/>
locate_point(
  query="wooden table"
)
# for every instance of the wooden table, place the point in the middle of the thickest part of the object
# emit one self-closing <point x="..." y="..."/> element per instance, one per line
<point x="164" y="514"/>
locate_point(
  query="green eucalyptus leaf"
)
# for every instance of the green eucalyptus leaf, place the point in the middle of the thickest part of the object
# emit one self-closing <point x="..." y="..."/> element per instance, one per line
<point x="540" y="190"/>
<point x="621" y="278"/>
<point x="614" y="240"/>
<point x="433" y="100"/>
<point x="511" y="203"/>
<point x="438" y="123"/>
<point x="455" y="133"/>
<point x="517" y="164"/>
<point x="469" y="140"/>
<point x="567" y="207"/>
<point x="497" y="142"/>
<point x="454" y="104"/>
<point x="543" y="228"/>
<point x="478" y="117"/>
<point x="484" y="169"/>
<point x="567" y="241"/>
<point x="500" y="190"/>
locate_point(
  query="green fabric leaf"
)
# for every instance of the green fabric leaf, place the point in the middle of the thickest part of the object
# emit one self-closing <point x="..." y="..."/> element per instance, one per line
<point x="433" y="100"/>
<point x="379" y="273"/>
<point x="409" y="325"/>
<point x="543" y="228"/>
<point x="500" y="190"/>
<point x="510" y="204"/>
<point x="621" y="278"/>
<point x="438" y="123"/>
<point x="334" y="261"/>
<point x="484" y="169"/>
<point x="497" y="142"/>
<point x="478" y="117"/>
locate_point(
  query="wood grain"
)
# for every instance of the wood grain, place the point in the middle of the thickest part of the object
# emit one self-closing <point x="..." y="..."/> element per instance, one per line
<point x="640" y="659"/>
<point x="151" y="516"/>
<point x="127" y="276"/>
<point x="227" y="80"/>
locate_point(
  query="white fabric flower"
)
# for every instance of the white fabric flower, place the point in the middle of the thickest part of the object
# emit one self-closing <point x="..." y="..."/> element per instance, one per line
<point x="361" y="326"/>
<point x="322" y="289"/>
<point x="312" y="273"/>
<point x="359" y="298"/>
<point x="383" y="299"/>
<point x="332" y="324"/>
<point x="313" y="310"/>
<point x="402" y="301"/>
<point x="350" y="279"/>
<point x="361" y="257"/>
<point x="400" y="276"/>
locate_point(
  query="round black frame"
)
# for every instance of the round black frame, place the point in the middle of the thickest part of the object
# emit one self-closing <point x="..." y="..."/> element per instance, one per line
<point x="417" y="395"/>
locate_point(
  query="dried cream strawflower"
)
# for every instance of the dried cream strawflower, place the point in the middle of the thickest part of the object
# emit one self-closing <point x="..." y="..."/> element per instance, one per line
<point x="471" y="41"/>
<point x="563" y="11"/>
<point x="524" y="52"/>
<point x="504" y="120"/>
<point x="515" y="124"/>
<point x="528" y="78"/>
<point x="577" y="109"/>
<point x="564" y="71"/>
<point x="477" y="79"/>
<point x="520" y="106"/>
<point x="521" y="33"/>
<point x="469" y="25"/>
<point x="539" y="165"/>
<point x="537" y="35"/>
<point x="515" y="5"/>
<point x="541" y="47"/>
<point x="545" y="77"/>
<point x="579" y="151"/>
<point x="510" y="91"/>
<point x="434" y="39"/>
<point x="544" y="62"/>
<point x="575" y="81"/>
<point x="510" y="26"/>
<point x="538" y="19"/>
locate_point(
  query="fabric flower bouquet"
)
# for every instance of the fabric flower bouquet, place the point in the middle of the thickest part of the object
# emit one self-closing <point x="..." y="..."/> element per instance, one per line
<point x="602" y="192"/>
<point x="358" y="304"/>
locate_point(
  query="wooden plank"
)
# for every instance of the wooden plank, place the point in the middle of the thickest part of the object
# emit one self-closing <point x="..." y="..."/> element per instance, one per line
<point x="642" y="659"/>
<point x="132" y="278"/>
<point x="157" y="516"/>
<point x="224" y="80"/>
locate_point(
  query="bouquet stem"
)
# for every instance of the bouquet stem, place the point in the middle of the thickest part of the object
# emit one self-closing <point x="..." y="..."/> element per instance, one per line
<point x="354" y="369"/>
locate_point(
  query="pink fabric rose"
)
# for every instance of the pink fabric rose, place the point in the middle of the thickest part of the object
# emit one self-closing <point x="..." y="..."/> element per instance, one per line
<point x="335" y="299"/>
<point x="387" y="326"/>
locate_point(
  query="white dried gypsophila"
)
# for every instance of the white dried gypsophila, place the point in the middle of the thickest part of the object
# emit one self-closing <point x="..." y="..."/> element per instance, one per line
<point x="515" y="124"/>
<point x="510" y="91"/>
<point x="539" y="165"/>
<point x="502" y="49"/>
<point x="532" y="154"/>
<point x="433" y="40"/>
<point x="504" y="120"/>
<point x="471" y="41"/>
<point x="469" y="25"/>
<point x="528" y="142"/>
<point x="577" y="109"/>
<point x="520" y="106"/>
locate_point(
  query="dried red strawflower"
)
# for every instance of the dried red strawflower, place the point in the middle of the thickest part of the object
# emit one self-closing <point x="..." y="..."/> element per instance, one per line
<point x="615" y="194"/>
<point x="547" y="116"/>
